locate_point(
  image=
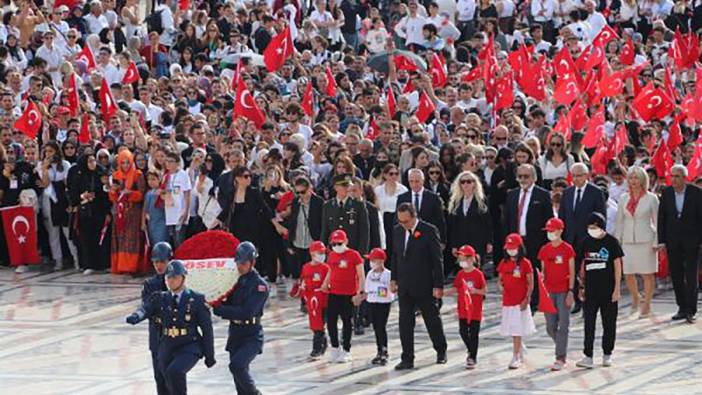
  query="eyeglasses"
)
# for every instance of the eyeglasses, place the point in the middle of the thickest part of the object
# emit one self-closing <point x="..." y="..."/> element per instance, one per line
<point x="208" y="160"/>
<point x="71" y="36"/>
<point x="301" y="191"/>
<point x="466" y="181"/>
<point x="500" y="138"/>
<point x="434" y="172"/>
<point x="245" y="176"/>
<point x="393" y="173"/>
<point x="523" y="176"/>
<point x="556" y="145"/>
<point x="471" y="136"/>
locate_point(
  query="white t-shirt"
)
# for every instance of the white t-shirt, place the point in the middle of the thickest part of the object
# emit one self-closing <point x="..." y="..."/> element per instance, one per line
<point x="387" y="203"/>
<point x="378" y="287"/>
<point x="410" y="28"/>
<point x="177" y="185"/>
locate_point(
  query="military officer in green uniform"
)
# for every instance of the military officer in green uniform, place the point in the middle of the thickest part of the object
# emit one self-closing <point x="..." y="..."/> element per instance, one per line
<point x="346" y="213"/>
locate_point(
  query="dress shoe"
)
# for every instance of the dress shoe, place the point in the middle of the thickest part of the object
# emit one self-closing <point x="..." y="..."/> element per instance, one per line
<point x="441" y="358"/>
<point x="691" y="318"/>
<point x="404" y="365"/>
<point x="679" y="316"/>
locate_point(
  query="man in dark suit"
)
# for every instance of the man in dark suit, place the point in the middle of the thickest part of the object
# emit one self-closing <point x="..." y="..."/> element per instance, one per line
<point x="578" y="201"/>
<point x="417" y="278"/>
<point x="527" y="209"/>
<point x="350" y="215"/>
<point x="679" y="225"/>
<point x="427" y="203"/>
<point x="304" y="223"/>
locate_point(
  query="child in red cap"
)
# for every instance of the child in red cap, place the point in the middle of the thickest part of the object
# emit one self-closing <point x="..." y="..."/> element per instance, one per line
<point x="344" y="281"/>
<point x="517" y="283"/>
<point x="379" y="298"/>
<point x="558" y="262"/>
<point x="311" y="278"/>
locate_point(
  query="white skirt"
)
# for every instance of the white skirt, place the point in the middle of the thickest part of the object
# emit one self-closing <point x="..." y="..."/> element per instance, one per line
<point x="517" y="322"/>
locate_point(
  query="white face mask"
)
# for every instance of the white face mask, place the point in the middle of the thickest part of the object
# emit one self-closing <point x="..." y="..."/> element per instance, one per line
<point x="512" y="252"/>
<point x="376" y="265"/>
<point x="552" y="236"/>
<point x="319" y="257"/>
<point x="595" y="233"/>
<point x="340" y="249"/>
<point x="464" y="264"/>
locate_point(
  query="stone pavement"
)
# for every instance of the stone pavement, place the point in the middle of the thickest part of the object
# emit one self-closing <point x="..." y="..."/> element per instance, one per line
<point x="64" y="333"/>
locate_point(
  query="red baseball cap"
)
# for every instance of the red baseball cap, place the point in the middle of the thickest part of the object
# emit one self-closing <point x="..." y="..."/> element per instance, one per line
<point x="317" y="246"/>
<point x="466" y="250"/>
<point x="554" y="224"/>
<point x="377" y="254"/>
<point x="513" y="241"/>
<point x="338" y="236"/>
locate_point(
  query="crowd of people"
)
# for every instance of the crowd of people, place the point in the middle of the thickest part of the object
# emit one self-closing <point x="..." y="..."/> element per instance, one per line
<point x="126" y="124"/>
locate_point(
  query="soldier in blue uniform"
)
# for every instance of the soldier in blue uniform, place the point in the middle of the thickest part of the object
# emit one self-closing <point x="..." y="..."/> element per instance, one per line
<point x="182" y="312"/>
<point x="160" y="255"/>
<point x="244" y="308"/>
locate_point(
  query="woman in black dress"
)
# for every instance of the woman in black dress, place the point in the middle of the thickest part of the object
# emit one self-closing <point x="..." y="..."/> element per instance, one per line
<point x="273" y="187"/>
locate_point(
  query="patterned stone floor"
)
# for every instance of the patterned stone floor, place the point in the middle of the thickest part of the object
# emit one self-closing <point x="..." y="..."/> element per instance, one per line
<point x="64" y="333"/>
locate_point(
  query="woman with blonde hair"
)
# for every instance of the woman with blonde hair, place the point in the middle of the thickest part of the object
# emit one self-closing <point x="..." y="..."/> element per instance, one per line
<point x="636" y="230"/>
<point x="469" y="220"/>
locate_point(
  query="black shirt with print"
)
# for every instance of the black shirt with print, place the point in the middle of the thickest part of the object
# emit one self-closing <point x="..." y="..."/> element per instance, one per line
<point x="597" y="258"/>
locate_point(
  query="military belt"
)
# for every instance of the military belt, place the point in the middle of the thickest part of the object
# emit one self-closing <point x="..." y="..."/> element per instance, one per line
<point x="252" y="321"/>
<point x="175" y="332"/>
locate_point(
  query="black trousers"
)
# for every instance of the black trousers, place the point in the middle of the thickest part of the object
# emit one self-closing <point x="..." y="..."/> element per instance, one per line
<point x="340" y="306"/>
<point x="161" y="388"/>
<point x="379" y="313"/>
<point x="319" y="340"/>
<point x="430" y="313"/>
<point x="684" y="271"/>
<point x="608" y="310"/>
<point x="299" y="257"/>
<point x="469" y="331"/>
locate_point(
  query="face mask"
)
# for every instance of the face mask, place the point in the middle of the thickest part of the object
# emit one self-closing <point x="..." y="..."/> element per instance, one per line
<point x="319" y="258"/>
<point x="376" y="265"/>
<point x="464" y="264"/>
<point x="340" y="249"/>
<point x="552" y="236"/>
<point x="512" y="252"/>
<point x="595" y="233"/>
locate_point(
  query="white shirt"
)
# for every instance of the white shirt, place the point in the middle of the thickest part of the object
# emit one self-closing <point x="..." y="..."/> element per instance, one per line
<point x="575" y="196"/>
<point x="96" y="24"/>
<point x="54" y="176"/>
<point x="111" y="73"/>
<point x="410" y="28"/>
<point x="417" y="195"/>
<point x="408" y="233"/>
<point x="612" y="208"/>
<point x="466" y="10"/>
<point x="377" y="287"/>
<point x="615" y="191"/>
<point x="525" y="208"/>
<point x="507" y="9"/>
<point x="596" y="21"/>
<point x="54" y="58"/>
<point x="178" y="184"/>
<point x="168" y="25"/>
<point x="547" y="6"/>
<point x="387" y="203"/>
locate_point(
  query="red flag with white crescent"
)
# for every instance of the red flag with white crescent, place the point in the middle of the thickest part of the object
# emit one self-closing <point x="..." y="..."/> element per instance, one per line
<point x="392" y="105"/>
<point x="131" y="75"/>
<point x="331" y="82"/>
<point x="84" y="136"/>
<point x="652" y="103"/>
<point x="20" y="235"/>
<point x="278" y="50"/>
<point x="86" y="55"/>
<point x="425" y="109"/>
<point x="595" y="129"/>
<point x="438" y="74"/>
<point x="29" y="122"/>
<point x="107" y="103"/>
<point x="73" y="97"/>
<point x="308" y="100"/>
<point x="694" y="166"/>
<point x="246" y="106"/>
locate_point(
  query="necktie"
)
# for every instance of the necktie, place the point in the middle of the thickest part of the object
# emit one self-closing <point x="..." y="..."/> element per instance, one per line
<point x="577" y="199"/>
<point x="520" y="208"/>
<point x="416" y="201"/>
<point x="175" y="301"/>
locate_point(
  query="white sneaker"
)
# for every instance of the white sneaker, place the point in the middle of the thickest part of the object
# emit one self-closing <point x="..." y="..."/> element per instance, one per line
<point x="334" y="355"/>
<point x="22" y="269"/>
<point x="516" y="362"/>
<point x="523" y="350"/>
<point x="88" y="272"/>
<point x="607" y="360"/>
<point x="58" y="266"/>
<point x="586" y="362"/>
<point x="557" y="366"/>
<point x="344" y="356"/>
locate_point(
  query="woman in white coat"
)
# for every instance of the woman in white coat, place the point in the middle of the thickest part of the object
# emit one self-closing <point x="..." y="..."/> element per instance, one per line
<point x="637" y="217"/>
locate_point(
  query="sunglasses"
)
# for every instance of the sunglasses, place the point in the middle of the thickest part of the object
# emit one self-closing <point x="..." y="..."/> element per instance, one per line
<point x="490" y="157"/>
<point x="465" y="182"/>
<point x="393" y="173"/>
<point x="500" y="138"/>
<point x="556" y="145"/>
<point x="434" y="173"/>
<point x="208" y="160"/>
<point x="471" y="136"/>
<point x="245" y="176"/>
<point x="336" y="244"/>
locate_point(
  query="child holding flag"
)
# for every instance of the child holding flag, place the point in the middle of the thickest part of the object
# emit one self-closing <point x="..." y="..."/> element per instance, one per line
<point x="558" y="263"/>
<point x="471" y="288"/>
<point x="311" y="278"/>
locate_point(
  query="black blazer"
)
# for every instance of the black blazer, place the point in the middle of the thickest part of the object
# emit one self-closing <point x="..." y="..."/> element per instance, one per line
<point x="474" y="228"/>
<point x="352" y="218"/>
<point x="419" y="267"/>
<point x="538" y="212"/>
<point x="374" y="226"/>
<point x="442" y="189"/>
<point x="314" y="218"/>
<point x="591" y="200"/>
<point x="431" y="210"/>
<point x="686" y="229"/>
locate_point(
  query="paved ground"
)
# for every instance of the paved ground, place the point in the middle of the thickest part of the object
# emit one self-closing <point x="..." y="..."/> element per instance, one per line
<point x="64" y="333"/>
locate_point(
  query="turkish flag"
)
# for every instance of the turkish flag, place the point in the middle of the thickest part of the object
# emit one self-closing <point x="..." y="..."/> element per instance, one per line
<point x="605" y="35"/>
<point x="72" y="95"/>
<point x="308" y="100"/>
<point x="425" y="108"/>
<point x="535" y="85"/>
<point x="86" y="55"/>
<point x="331" y="82"/>
<point x="694" y="166"/>
<point x="505" y="92"/>
<point x="278" y="50"/>
<point x="68" y="3"/>
<point x="597" y="56"/>
<point x="245" y="105"/>
<point x="392" y="105"/>
<point x="566" y="91"/>
<point x="84" y="136"/>
<point x="438" y="74"/>
<point x="490" y="69"/>
<point x="600" y="158"/>
<point x="546" y="66"/>
<point x="465" y="305"/>
<point x="183" y="5"/>
<point x="372" y="131"/>
<point x="662" y="161"/>
<point x="564" y="66"/>
<point x="562" y="127"/>
<point x="675" y="136"/>
<point x="409" y="87"/>
<point x="611" y="84"/>
<point x="488" y="50"/>
<point x="595" y="129"/>
<point x="472" y="75"/>
<point x="29" y="122"/>
<point x="619" y="141"/>
<point x="20" y="235"/>
<point x="315" y="301"/>
<point x="693" y="51"/>
<point x="402" y="62"/>
<point x="577" y="115"/>
<point x="652" y="103"/>
<point x="107" y="103"/>
<point x="668" y="85"/>
<point x="519" y="61"/>
<point x="545" y="303"/>
<point x="627" y="55"/>
<point x="685" y="50"/>
<point x="131" y="75"/>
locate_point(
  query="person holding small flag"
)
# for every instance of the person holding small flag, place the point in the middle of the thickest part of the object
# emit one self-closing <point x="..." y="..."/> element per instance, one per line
<point x="311" y="278"/>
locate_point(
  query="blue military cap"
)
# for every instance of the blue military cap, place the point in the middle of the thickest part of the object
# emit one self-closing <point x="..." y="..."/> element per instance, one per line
<point x="162" y="251"/>
<point x="246" y="252"/>
<point x="176" y="268"/>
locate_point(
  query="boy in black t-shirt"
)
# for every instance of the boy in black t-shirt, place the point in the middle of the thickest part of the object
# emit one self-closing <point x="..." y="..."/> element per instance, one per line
<point x="600" y="278"/>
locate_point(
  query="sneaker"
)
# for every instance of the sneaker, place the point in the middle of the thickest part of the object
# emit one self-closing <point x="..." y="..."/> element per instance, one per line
<point x="359" y="330"/>
<point x="516" y="362"/>
<point x="557" y="366"/>
<point x="523" y="350"/>
<point x="344" y="356"/>
<point x="88" y="272"/>
<point x="607" y="360"/>
<point x="280" y="281"/>
<point x="586" y="363"/>
<point x="58" y="266"/>
<point x="334" y="355"/>
<point x="22" y="269"/>
<point x="295" y="290"/>
<point x="315" y="355"/>
<point x="470" y="363"/>
<point x="379" y="359"/>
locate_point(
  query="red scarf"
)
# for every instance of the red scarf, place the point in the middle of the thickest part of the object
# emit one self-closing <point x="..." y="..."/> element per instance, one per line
<point x="633" y="202"/>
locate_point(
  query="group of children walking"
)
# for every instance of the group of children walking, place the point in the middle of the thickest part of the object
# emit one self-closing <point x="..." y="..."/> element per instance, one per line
<point x="333" y="285"/>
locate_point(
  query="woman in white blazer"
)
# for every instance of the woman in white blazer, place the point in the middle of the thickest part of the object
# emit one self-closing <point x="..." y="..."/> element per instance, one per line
<point x="637" y="217"/>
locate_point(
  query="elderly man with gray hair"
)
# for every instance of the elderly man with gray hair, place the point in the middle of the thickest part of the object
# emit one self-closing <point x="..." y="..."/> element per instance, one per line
<point x="679" y="224"/>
